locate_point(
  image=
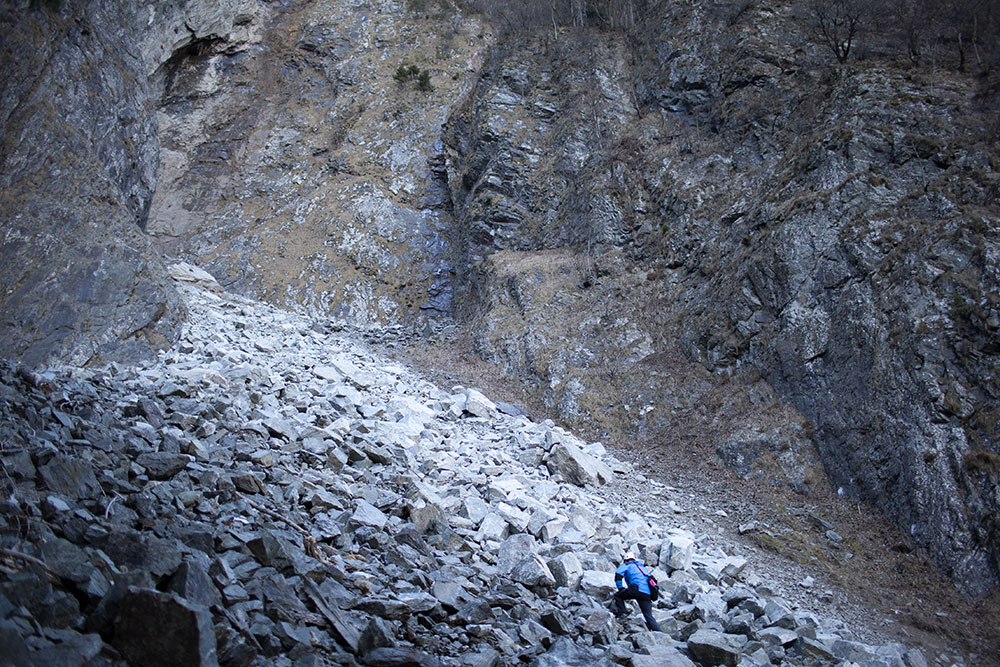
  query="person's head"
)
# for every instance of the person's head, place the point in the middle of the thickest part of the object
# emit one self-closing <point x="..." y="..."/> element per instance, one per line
<point x="627" y="556"/>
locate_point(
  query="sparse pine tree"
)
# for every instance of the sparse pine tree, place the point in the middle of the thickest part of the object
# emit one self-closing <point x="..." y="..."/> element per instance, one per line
<point x="402" y="74"/>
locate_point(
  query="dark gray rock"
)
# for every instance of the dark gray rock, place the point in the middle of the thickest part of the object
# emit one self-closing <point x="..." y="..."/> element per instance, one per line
<point x="163" y="465"/>
<point x="388" y="609"/>
<point x="70" y="476"/>
<point x="557" y="621"/>
<point x="274" y="550"/>
<point x="72" y="649"/>
<point x="81" y="280"/>
<point x="160" y="629"/>
<point x="473" y="612"/>
<point x="399" y="657"/>
<point x="12" y="645"/>
<point x="565" y="653"/>
<point x="378" y="633"/>
<point x="486" y="657"/>
<point x="134" y="550"/>
<point x="714" y="648"/>
<point x="192" y="583"/>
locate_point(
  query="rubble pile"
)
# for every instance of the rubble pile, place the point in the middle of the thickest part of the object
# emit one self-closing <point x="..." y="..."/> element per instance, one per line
<point x="272" y="491"/>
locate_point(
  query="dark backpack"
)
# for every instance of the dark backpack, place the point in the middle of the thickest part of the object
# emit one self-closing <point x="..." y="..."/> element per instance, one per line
<point x="654" y="586"/>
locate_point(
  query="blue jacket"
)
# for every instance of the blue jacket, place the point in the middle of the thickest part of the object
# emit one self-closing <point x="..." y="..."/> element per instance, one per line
<point x="631" y="574"/>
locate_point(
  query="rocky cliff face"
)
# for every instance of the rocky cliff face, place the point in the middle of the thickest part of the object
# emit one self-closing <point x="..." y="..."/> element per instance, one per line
<point x="703" y="234"/>
<point x="718" y="187"/>
<point x="302" y="171"/>
<point x="78" y="169"/>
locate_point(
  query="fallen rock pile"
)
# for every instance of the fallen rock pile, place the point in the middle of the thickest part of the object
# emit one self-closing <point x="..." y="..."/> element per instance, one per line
<point x="272" y="492"/>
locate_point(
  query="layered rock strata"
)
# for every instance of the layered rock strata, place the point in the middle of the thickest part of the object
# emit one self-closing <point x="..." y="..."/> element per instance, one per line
<point x="715" y="187"/>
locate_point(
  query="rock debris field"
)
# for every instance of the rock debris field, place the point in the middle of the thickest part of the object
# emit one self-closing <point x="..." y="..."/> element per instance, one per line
<point x="272" y="491"/>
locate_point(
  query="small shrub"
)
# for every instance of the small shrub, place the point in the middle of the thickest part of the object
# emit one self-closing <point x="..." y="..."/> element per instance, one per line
<point x="960" y="308"/>
<point x="406" y="73"/>
<point x="424" y="81"/>
<point x="402" y="74"/>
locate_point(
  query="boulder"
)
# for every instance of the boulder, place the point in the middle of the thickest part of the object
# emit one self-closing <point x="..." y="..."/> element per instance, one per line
<point x="710" y="647"/>
<point x="161" y="630"/>
<point x="661" y="656"/>
<point x="389" y="656"/>
<point x="515" y="549"/>
<point x="576" y="466"/>
<point x="677" y="550"/>
<point x="70" y="476"/>
<point x="566" y="570"/>
<point x="366" y="514"/>
<point x="163" y="465"/>
<point x="599" y="584"/>
<point x="477" y="405"/>
<point x="532" y="571"/>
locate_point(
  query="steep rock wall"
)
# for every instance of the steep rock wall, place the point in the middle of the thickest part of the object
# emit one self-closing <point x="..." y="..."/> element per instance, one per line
<point x="304" y="173"/>
<point x="852" y="268"/>
<point x="832" y="229"/>
<point x="78" y="167"/>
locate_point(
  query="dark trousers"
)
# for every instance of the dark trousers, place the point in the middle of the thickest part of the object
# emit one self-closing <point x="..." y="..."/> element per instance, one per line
<point x="618" y="607"/>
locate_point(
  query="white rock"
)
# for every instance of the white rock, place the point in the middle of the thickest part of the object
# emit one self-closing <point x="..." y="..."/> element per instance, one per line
<point x="677" y="550"/>
<point x="598" y="584"/>
<point x="357" y="376"/>
<point x="189" y="273"/>
<point x="552" y="530"/>
<point x="478" y="405"/>
<point x="367" y="514"/>
<point x="517" y="519"/>
<point x="493" y="528"/>
<point x="576" y="466"/>
<point x="567" y="570"/>
<point x="328" y="373"/>
<point x="474" y="509"/>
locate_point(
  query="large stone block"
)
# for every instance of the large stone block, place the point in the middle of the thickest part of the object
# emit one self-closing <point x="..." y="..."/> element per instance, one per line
<point x="162" y="630"/>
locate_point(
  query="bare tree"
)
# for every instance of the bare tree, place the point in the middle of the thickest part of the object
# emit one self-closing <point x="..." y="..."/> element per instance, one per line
<point x="838" y="23"/>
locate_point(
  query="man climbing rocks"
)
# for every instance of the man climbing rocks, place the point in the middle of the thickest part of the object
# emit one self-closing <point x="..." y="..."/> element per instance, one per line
<point x="632" y="584"/>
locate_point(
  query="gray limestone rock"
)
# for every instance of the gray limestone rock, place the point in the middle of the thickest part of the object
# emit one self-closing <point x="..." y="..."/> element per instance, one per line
<point x="714" y="648"/>
<point x="564" y="653"/>
<point x="532" y="571"/>
<point x="571" y="462"/>
<point x="677" y="551"/>
<point x="566" y="570"/>
<point x="661" y="656"/>
<point x="366" y="514"/>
